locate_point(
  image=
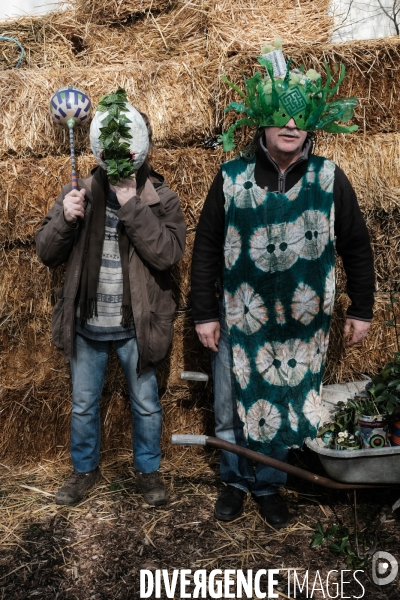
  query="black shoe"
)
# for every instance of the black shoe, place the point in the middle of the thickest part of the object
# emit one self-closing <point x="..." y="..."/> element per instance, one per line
<point x="273" y="509"/>
<point x="229" y="505"/>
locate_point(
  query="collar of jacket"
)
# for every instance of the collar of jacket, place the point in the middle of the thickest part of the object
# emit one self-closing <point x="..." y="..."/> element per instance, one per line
<point x="148" y="194"/>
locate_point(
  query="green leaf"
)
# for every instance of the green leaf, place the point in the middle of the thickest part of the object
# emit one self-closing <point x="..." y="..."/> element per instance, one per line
<point x="316" y="540"/>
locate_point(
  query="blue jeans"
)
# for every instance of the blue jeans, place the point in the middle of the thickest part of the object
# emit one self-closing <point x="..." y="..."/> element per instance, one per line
<point x="88" y="368"/>
<point x="235" y="470"/>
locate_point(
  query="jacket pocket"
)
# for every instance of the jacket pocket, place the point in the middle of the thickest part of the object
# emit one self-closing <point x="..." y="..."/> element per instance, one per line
<point x="57" y="320"/>
<point x="161" y="334"/>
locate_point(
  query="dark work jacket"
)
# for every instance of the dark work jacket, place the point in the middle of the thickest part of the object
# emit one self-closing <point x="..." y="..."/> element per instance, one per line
<point x="156" y="230"/>
<point x="352" y="238"/>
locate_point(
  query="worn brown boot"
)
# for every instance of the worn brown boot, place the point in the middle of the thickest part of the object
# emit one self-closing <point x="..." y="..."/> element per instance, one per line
<point x="153" y="488"/>
<point x="76" y="485"/>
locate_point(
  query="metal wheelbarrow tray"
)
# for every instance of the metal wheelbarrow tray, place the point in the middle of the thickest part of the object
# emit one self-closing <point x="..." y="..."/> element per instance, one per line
<point x="359" y="466"/>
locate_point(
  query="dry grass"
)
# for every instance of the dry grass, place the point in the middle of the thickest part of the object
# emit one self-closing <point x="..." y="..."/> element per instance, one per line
<point x="105" y="12"/>
<point x="181" y="32"/>
<point x="30" y="186"/>
<point x="349" y="364"/>
<point x="99" y="32"/>
<point x="176" y="97"/>
<point x="246" y="25"/>
<point x="371" y="164"/>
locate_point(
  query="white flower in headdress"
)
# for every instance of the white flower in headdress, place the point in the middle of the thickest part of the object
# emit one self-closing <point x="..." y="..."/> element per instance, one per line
<point x="318" y="347"/>
<point x="329" y="296"/>
<point x="305" y="304"/>
<point x="283" y="364"/>
<point x="314" y="410"/>
<point x="280" y="313"/>
<point x="275" y="247"/>
<point x="245" y="191"/>
<point x="326" y="175"/>
<point x="242" y="416"/>
<point x="263" y="421"/>
<point x="233" y="246"/>
<point x="241" y="366"/>
<point x="245" y="309"/>
<point x="293" y="418"/>
<point x="313" y="230"/>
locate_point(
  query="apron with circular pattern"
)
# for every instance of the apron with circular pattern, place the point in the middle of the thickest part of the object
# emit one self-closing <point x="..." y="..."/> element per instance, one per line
<point x="279" y="287"/>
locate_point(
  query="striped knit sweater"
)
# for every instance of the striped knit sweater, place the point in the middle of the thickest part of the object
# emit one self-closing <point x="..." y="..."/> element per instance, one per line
<point x="107" y="325"/>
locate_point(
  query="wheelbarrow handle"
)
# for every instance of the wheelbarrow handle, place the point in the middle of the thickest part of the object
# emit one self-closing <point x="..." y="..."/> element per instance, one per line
<point x="213" y="442"/>
<point x="194" y="376"/>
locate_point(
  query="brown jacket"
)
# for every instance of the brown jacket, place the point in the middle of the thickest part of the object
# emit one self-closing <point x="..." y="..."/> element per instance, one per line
<point x="156" y="229"/>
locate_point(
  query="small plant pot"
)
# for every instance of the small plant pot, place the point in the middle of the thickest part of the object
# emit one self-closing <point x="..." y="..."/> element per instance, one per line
<point x="373" y="432"/>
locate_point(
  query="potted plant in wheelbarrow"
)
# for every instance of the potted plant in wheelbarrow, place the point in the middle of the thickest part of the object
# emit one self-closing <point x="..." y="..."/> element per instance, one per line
<point x="356" y="446"/>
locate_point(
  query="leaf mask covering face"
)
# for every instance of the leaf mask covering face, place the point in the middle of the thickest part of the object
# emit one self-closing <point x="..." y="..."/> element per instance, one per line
<point x="281" y="94"/>
<point x="118" y="136"/>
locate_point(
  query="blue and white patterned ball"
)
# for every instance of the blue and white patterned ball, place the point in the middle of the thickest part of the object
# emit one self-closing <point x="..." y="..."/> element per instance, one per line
<point x="70" y="102"/>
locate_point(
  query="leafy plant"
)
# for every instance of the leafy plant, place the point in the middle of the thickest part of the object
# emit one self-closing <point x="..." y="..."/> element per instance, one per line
<point x="341" y="543"/>
<point x="115" y="128"/>
<point x="386" y="389"/>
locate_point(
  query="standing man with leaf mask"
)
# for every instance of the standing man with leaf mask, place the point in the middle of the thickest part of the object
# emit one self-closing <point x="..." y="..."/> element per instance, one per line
<point x="119" y="235"/>
<point x="266" y="236"/>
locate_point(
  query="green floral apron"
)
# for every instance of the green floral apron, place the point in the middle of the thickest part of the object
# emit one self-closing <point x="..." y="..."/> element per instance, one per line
<point x="279" y="287"/>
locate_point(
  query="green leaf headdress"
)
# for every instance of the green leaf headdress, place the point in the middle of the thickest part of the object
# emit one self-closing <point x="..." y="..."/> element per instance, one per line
<point x="282" y="94"/>
<point x="118" y="136"/>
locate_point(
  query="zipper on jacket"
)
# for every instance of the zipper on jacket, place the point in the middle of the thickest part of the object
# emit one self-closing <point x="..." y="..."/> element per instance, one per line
<point x="281" y="183"/>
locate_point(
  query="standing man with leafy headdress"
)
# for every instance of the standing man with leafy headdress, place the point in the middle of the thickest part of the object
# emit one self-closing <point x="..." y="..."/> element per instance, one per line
<point x="266" y="236"/>
<point x="119" y="234"/>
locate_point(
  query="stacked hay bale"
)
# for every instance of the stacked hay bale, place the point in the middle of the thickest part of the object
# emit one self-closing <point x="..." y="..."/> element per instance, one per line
<point x="169" y="55"/>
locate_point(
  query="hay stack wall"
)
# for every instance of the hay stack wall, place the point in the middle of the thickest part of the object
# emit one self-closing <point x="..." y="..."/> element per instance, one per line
<point x="169" y="55"/>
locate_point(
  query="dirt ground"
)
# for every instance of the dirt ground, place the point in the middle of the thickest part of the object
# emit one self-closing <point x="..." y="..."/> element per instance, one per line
<point x="95" y="551"/>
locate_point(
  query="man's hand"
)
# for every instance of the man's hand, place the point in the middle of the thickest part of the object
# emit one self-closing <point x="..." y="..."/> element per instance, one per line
<point x="360" y="330"/>
<point x="209" y="334"/>
<point x="73" y="205"/>
<point x="125" y="189"/>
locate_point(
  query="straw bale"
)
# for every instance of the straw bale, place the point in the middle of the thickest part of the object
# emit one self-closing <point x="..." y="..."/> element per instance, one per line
<point x="209" y="27"/>
<point x="371" y="164"/>
<point x="186" y="354"/>
<point x="244" y="26"/>
<point x="190" y="172"/>
<point x="49" y="40"/>
<point x="371" y="75"/>
<point x="181" y="31"/>
<point x="25" y="301"/>
<point x="29" y="188"/>
<point x="176" y="97"/>
<point x="106" y="12"/>
<point x="349" y="364"/>
<point x="384" y="229"/>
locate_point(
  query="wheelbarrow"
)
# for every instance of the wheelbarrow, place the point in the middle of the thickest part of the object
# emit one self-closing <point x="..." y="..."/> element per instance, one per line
<point x="347" y="467"/>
